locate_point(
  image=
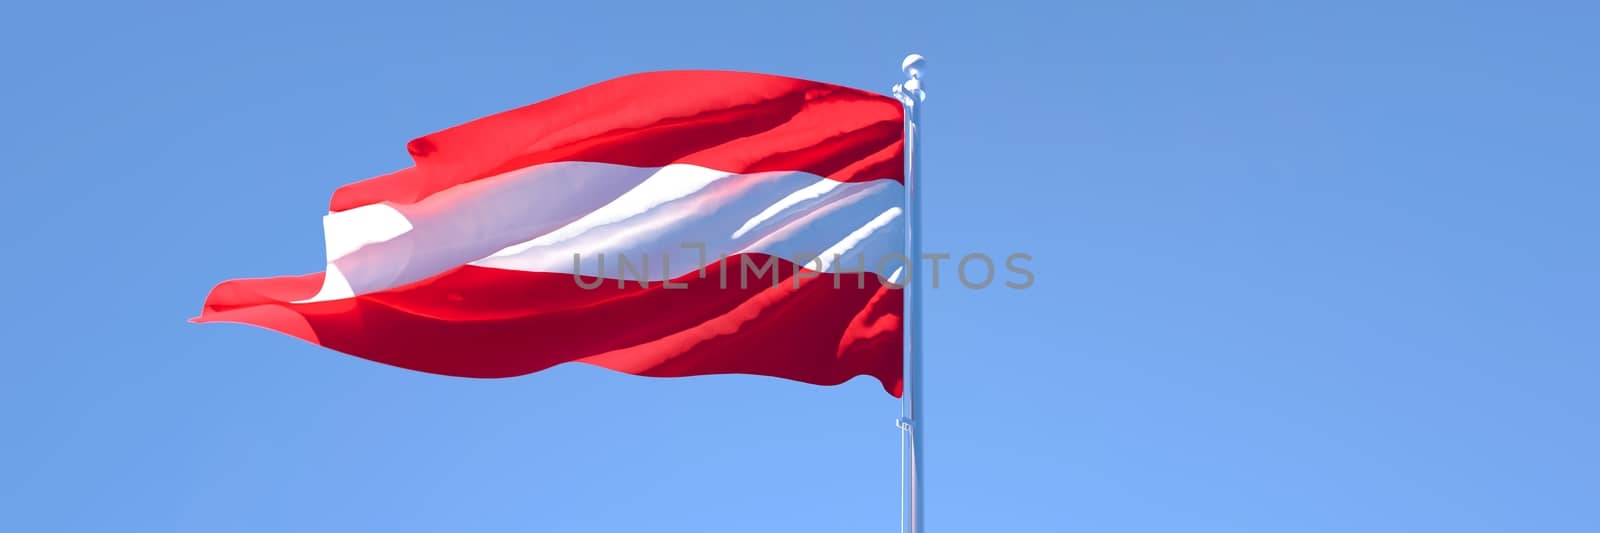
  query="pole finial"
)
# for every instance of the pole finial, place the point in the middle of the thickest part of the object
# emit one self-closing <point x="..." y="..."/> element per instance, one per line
<point x="913" y="65"/>
<point x="910" y="92"/>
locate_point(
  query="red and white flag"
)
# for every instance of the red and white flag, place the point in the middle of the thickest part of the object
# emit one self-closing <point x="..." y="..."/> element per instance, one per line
<point x="469" y="262"/>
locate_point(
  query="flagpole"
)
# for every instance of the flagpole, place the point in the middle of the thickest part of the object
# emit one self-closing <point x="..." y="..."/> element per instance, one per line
<point x="912" y="432"/>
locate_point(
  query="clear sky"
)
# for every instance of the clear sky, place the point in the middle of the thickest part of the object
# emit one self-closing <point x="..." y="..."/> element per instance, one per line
<point x="1298" y="269"/>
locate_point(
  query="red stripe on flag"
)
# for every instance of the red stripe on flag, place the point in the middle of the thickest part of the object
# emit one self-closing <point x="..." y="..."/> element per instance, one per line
<point x="730" y="121"/>
<point x="488" y="323"/>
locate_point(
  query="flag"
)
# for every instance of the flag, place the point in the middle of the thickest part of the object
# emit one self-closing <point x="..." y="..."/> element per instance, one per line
<point x="664" y="224"/>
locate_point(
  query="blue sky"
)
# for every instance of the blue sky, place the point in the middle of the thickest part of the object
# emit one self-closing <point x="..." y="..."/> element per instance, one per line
<point x="1300" y="268"/>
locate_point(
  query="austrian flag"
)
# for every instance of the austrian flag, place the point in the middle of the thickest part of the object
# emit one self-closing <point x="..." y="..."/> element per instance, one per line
<point x="662" y="224"/>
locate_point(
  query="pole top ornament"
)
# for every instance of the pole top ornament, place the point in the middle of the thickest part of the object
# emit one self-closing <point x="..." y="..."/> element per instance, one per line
<point x="910" y="91"/>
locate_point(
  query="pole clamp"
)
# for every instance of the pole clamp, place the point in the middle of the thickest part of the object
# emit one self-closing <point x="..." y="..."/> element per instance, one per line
<point x="903" y="423"/>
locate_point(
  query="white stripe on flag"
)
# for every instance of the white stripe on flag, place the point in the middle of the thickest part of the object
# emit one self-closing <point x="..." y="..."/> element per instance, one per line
<point x="535" y="219"/>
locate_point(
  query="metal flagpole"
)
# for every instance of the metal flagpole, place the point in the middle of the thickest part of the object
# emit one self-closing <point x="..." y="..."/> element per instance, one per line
<point x="912" y="431"/>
